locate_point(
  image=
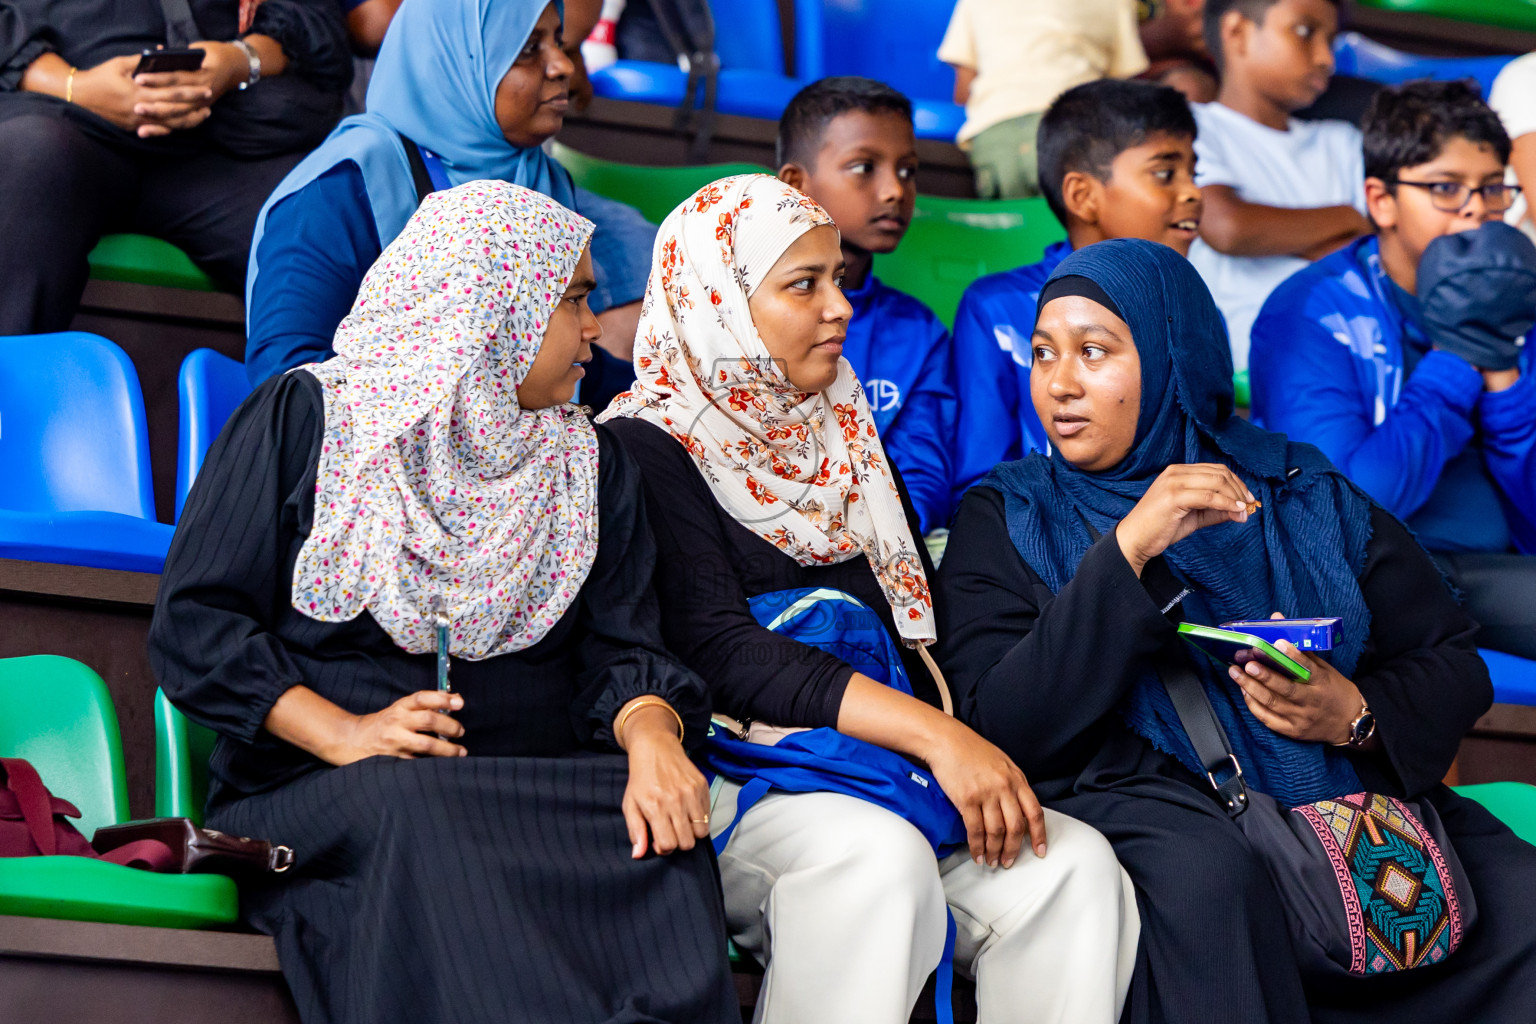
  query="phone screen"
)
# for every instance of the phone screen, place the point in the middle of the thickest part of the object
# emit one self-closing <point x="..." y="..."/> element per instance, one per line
<point x="1225" y="652"/>
<point x="156" y="62"/>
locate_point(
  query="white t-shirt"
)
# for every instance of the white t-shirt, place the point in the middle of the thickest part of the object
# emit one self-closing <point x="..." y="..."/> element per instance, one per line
<point x="1027" y="52"/>
<point x="1312" y="164"/>
<point x="1513" y="98"/>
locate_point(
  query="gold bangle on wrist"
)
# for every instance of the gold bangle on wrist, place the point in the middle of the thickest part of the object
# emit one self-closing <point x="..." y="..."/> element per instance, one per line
<point x="646" y="702"/>
<point x="69" y="86"/>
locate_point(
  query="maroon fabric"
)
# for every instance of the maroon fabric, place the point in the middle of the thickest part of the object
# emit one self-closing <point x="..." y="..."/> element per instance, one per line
<point x="32" y="824"/>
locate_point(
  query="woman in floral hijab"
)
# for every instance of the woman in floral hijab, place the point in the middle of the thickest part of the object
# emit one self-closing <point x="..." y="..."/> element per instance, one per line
<point x="765" y="480"/>
<point x="411" y="591"/>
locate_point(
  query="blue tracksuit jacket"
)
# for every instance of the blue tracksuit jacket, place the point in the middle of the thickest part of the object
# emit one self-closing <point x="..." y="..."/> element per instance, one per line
<point x="901" y="353"/>
<point x="1430" y="445"/>
<point x="996" y="318"/>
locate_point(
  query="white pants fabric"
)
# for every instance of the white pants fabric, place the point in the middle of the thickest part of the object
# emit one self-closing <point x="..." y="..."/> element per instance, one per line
<point x="843" y="903"/>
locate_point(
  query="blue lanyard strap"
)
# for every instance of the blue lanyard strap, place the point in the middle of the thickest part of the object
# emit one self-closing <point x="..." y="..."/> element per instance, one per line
<point x="435" y="170"/>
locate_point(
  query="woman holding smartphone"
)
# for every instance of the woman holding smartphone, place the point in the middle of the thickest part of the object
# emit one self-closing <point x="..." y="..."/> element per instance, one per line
<point x="1066" y="578"/>
<point x="90" y="144"/>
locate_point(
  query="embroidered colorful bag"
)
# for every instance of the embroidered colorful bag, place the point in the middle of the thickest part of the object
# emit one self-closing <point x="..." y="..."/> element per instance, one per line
<point x="1369" y="883"/>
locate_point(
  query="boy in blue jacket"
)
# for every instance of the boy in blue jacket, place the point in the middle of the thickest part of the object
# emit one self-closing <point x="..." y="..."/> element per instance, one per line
<point x="848" y="144"/>
<point x="1116" y="160"/>
<point x="1402" y="356"/>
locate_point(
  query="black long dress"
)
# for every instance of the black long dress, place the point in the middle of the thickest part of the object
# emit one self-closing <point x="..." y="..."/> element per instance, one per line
<point x="1042" y="675"/>
<point x="490" y="888"/>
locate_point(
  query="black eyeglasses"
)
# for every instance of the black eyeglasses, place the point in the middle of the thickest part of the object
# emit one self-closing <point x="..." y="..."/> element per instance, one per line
<point x="1453" y="196"/>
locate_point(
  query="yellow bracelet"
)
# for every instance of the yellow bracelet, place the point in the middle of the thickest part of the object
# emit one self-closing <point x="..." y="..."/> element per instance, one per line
<point x="649" y="702"/>
<point x="69" y="86"/>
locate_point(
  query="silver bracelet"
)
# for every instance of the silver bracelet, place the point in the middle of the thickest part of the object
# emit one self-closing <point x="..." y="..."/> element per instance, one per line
<point x="254" y="59"/>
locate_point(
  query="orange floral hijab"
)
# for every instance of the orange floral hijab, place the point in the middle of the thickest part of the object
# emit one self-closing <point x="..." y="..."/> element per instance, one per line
<point x="806" y="472"/>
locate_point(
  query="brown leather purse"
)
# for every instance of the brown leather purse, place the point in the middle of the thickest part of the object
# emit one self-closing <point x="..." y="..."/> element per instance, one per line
<point x="197" y="850"/>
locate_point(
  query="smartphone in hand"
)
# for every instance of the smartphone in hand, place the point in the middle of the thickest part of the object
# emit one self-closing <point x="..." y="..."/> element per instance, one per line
<point x="159" y="62"/>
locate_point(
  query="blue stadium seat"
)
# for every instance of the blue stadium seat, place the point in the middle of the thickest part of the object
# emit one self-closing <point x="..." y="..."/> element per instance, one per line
<point x="752" y="81"/>
<point x="895" y="41"/>
<point x="1366" y="58"/>
<point x="1514" y="679"/>
<point x="74" y="456"/>
<point x="211" y="387"/>
<point x="746" y="93"/>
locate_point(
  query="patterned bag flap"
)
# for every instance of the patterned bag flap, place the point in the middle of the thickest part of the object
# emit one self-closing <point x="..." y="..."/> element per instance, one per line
<point x="1404" y="903"/>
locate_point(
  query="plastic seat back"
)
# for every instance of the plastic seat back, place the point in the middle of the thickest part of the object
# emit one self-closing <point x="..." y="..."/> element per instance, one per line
<point x="951" y="242"/>
<point x="1355" y="54"/>
<point x="211" y="388"/>
<point x="182" y="750"/>
<point x="1513" y="803"/>
<point x="57" y="714"/>
<point x="140" y="259"/>
<point x="894" y="41"/>
<point x="1515" y="14"/>
<point x="748" y="35"/>
<point x="654" y="191"/>
<point x="72" y="431"/>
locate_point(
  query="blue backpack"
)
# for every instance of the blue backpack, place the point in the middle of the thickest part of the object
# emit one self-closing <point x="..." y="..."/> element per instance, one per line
<point x="824" y="760"/>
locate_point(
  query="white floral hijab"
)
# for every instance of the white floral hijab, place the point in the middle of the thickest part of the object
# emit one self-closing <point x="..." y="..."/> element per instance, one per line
<point x="806" y="472"/>
<point x="435" y="489"/>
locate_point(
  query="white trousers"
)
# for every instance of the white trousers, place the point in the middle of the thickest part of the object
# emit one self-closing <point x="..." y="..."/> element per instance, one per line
<point x="843" y="904"/>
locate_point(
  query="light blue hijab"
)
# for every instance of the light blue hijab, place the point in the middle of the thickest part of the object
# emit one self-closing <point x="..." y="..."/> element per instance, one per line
<point x="435" y="81"/>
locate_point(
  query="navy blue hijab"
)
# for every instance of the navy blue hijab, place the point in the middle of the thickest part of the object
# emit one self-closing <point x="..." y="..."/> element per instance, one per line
<point x="1301" y="554"/>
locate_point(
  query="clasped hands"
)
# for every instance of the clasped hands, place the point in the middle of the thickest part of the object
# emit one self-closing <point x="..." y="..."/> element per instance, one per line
<point x="158" y="104"/>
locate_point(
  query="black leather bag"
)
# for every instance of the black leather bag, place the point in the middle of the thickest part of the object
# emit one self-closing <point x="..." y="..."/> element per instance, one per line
<point x="196" y="850"/>
<point x="1369" y="883"/>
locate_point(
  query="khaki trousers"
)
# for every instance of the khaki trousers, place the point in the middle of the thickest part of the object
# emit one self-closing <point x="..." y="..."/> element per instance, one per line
<point x="1003" y="159"/>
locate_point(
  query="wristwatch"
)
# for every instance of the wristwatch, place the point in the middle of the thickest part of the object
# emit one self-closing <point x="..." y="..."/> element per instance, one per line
<point x="255" y="61"/>
<point x="1361" y="729"/>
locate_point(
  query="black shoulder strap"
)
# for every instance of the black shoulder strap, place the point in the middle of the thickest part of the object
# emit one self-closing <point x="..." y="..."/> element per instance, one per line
<point x="180" y="26"/>
<point x="1205" y="733"/>
<point x="1199" y="721"/>
<point x="419" y="175"/>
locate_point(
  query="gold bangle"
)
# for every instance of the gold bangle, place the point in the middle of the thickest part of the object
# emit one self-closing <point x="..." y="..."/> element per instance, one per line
<point x="69" y="86"/>
<point x="646" y="702"/>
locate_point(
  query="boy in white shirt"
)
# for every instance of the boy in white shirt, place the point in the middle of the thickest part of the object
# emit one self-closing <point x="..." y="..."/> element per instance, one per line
<point x="1012" y="58"/>
<point x="1513" y="98"/>
<point x="1278" y="192"/>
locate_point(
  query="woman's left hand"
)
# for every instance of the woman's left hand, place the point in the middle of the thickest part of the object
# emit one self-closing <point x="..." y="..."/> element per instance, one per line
<point x="666" y="804"/>
<point x="1319" y="710"/>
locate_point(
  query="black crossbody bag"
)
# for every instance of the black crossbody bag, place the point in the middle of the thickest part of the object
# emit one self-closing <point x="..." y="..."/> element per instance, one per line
<point x="1370" y="883"/>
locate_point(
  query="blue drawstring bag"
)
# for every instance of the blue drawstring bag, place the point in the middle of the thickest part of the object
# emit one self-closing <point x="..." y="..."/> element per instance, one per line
<point x="824" y="760"/>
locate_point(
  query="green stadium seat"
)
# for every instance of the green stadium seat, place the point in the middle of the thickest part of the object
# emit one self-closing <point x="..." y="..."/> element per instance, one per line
<point x="139" y="259"/>
<point x="182" y="750"/>
<point x="1515" y="14"/>
<point x="57" y="714"/>
<point x="952" y="242"/>
<point x="654" y="191"/>
<point x="1513" y="803"/>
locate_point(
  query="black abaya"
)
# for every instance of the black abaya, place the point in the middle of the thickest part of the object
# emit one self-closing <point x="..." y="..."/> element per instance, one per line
<point x="490" y="888"/>
<point x="1042" y="675"/>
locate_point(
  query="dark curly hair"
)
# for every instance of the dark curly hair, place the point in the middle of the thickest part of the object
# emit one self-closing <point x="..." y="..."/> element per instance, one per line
<point x="1410" y="124"/>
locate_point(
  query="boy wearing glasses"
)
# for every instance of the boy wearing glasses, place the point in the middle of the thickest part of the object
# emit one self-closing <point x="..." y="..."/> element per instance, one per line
<point x="1403" y="355"/>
